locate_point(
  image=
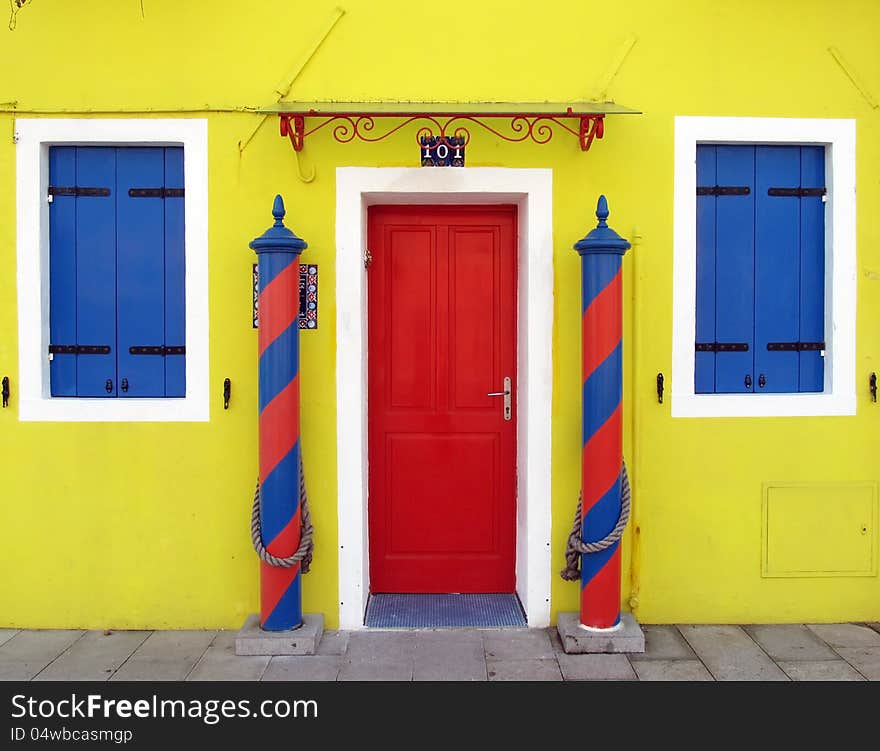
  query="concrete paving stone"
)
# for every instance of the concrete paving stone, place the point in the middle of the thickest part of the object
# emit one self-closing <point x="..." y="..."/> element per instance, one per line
<point x="864" y="659"/>
<point x="37" y="645"/>
<point x="730" y="654"/>
<point x="792" y="642"/>
<point x="596" y="667"/>
<point x="449" y="642"/>
<point x="6" y="634"/>
<point x="165" y="656"/>
<point x="519" y="644"/>
<point x="846" y="634"/>
<point x="822" y="670"/>
<point x="28" y="652"/>
<point x="94" y="657"/>
<point x="671" y="670"/>
<point x="14" y="670"/>
<point x="449" y="656"/>
<point x="392" y="645"/>
<point x="303" y="668"/>
<point x="555" y="639"/>
<point x="220" y="663"/>
<point x="451" y="635"/>
<point x="454" y="669"/>
<point x="525" y="670"/>
<point x="381" y="668"/>
<point x="333" y="643"/>
<point x="664" y="643"/>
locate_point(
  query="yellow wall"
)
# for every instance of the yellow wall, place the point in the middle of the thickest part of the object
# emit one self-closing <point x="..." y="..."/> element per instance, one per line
<point x="146" y="525"/>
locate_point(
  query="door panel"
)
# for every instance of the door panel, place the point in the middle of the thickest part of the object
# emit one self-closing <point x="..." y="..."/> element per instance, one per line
<point x="411" y="321"/>
<point x="442" y="335"/>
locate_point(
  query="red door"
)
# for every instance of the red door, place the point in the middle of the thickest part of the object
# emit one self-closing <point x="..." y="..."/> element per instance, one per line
<point x="442" y="461"/>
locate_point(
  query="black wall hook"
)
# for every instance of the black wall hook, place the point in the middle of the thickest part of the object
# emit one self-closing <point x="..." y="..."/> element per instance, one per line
<point x="660" y="388"/>
<point x="5" y="391"/>
<point x="227" y="392"/>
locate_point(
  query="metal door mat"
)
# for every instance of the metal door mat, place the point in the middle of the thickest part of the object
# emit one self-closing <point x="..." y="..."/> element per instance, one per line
<point x="444" y="611"/>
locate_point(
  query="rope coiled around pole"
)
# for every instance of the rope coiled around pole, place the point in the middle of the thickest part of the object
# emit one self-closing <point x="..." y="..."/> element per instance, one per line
<point x="575" y="546"/>
<point x="303" y="553"/>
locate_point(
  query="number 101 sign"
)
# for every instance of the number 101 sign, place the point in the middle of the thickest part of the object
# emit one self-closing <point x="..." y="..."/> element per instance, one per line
<point x="442" y="151"/>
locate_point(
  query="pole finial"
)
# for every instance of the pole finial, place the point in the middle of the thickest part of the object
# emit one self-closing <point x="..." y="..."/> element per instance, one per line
<point x="602" y="211"/>
<point x="602" y="239"/>
<point x="278" y="238"/>
<point x="278" y="211"/>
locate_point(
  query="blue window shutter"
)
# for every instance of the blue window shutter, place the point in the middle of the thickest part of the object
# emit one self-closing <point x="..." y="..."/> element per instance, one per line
<point x="62" y="270"/>
<point x="96" y="271"/>
<point x="140" y="253"/>
<point x="812" y="268"/>
<point x="704" y="362"/>
<point x="777" y="267"/>
<point x="735" y="269"/>
<point x="175" y="302"/>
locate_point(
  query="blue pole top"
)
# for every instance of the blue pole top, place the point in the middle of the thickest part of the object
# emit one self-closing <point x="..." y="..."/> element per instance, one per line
<point x="603" y="239"/>
<point x="278" y="239"/>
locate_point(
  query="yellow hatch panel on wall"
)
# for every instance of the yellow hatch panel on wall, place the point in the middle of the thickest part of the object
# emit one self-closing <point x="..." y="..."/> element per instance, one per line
<point x="820" y="530"/>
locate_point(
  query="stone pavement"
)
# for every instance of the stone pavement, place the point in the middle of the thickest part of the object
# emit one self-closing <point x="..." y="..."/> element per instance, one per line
<point x="843" y="651"/>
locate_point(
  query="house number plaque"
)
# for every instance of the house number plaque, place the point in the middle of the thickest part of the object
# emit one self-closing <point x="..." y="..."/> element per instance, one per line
<point x="442" y="151"/>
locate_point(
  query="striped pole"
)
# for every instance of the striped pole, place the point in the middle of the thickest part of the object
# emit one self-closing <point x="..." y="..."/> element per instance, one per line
<point x="601" y="254"/>
<point x="278" y="251"/>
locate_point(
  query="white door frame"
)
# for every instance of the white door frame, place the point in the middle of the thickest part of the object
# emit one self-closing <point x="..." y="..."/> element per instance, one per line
<point x="531" y="190"/>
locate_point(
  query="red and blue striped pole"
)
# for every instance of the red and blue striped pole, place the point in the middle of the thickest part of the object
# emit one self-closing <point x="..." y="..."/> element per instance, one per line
<point x="601" y="254"/>
<point x="278" y="251"/>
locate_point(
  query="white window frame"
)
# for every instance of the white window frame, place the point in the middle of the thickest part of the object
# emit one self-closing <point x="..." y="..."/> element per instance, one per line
<point x="838" y="136"/>
<point x="33" y="138"/>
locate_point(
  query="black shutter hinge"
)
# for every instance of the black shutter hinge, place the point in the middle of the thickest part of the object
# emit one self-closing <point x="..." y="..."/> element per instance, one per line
<point x="795" y="346"/>
<point x="157" y="350"/>
<point x="5" y="391"/>
<point x="156" y="192"/>
<point x="872" y="384"/>
<point x="77" y="191"/>
<point x="79" y="349"/>
<point x="227" y="392"/>
<point x="796" y="192"/>
<point x="660" y="388"/>
<point x="721" y="347"/>
<point x="723" y="190"/>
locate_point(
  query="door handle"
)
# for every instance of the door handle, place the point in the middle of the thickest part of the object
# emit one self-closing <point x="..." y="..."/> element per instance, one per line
<point x="506" y="395"/>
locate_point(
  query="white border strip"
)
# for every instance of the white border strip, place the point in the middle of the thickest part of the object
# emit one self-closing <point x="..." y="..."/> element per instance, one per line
<point x="531" y="190"/>
<point x="33" y="138"/>
<point x="839" y="138"/>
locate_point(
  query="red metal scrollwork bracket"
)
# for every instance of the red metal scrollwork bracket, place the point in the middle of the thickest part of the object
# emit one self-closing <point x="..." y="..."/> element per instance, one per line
<point x="592" y="126"/>
<point x="534" y="127"/>
<point x="294" y="127"/>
